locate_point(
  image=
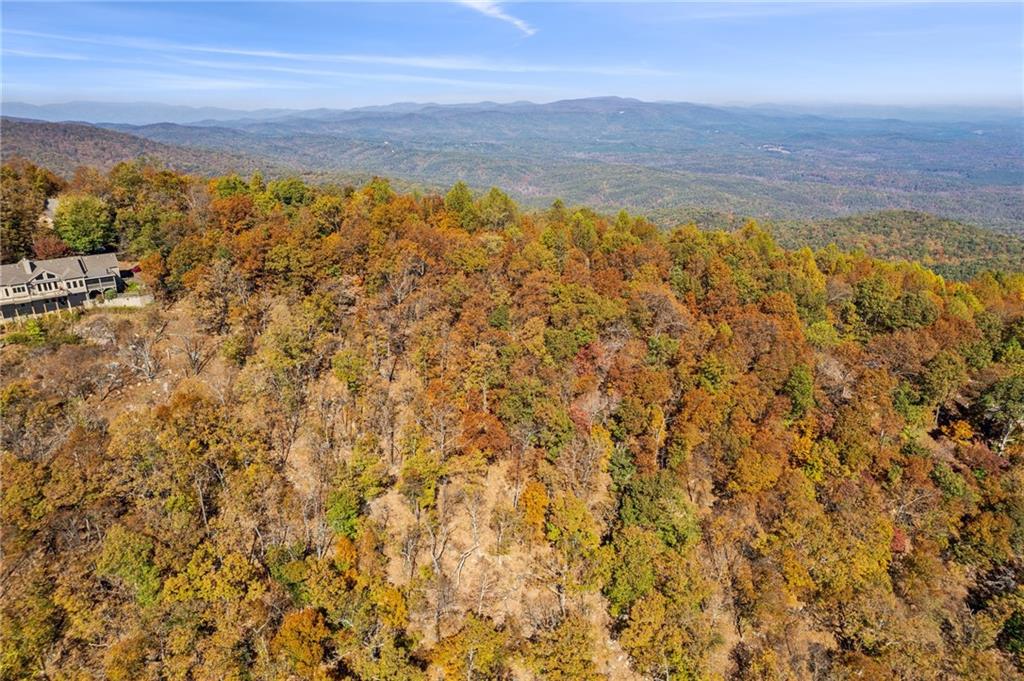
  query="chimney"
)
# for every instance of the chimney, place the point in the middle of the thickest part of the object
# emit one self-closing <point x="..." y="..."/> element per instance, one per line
<point x="28" y="265"/>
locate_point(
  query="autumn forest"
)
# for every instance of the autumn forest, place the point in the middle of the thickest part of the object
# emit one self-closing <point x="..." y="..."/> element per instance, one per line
<point x="370" y="435"/>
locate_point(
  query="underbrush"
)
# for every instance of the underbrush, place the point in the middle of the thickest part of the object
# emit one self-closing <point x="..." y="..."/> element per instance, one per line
<point x="49" y="331"/>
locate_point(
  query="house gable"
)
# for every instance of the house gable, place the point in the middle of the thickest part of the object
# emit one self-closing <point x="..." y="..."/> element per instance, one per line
<point x="43" y="275"/>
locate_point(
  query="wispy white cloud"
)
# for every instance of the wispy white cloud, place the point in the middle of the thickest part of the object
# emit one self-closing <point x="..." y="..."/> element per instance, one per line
<point x="495" y="11"/>
<point x="349" y="75"/>
<point x="441" y="63"/>
<point x="924" y="31"/>
<point x="695" y="11"/>
<point x="121" y="81"/>
<point x="159" y="81"/>
<point x="62" y="56"/>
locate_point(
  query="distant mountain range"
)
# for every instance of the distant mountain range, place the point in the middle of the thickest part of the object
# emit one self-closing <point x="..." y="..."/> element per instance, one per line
<point x="661" y="158"/>
<point x="144" y="113"/>
<point x="135" y="113"/>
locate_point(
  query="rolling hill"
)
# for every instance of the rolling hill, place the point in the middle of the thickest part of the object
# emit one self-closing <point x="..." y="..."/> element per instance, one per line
<point x="951" y="248"/>
<point x="62" y="147"/>
<point x="654" y="157"/>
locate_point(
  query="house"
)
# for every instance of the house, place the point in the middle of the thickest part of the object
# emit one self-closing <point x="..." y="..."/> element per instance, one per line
<point x="32" y="287"/>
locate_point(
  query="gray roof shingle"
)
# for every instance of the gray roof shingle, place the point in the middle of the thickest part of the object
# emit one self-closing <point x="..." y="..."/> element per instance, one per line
<point x="72" y="267"/>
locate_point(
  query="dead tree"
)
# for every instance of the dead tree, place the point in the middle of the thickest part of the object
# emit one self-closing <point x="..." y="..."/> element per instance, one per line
<point x="198" y="351"/>
<point x="141" y="354"/>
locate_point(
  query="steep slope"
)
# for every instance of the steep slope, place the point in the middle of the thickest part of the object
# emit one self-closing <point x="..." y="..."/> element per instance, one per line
<point x="422" y="437"/>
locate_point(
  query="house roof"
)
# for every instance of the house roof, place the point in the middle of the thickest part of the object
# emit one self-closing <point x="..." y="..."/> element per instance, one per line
<point x="73" y="267"/>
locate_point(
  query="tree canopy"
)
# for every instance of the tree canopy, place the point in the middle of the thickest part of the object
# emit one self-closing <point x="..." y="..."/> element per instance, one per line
<point x="372" y="435"/>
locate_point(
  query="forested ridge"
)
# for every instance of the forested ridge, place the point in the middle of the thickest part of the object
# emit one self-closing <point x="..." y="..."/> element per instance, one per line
<point x="62" y="147"/>
<point x="372" y="435"/>
<point x="955" y="250"/>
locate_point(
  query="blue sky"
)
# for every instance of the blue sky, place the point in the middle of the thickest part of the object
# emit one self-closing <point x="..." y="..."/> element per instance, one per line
<point x="340" y="54"/>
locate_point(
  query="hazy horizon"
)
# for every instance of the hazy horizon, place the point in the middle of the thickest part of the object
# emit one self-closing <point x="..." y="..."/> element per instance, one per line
<point x="794" y="105"/>
<point x="256" y="55"/>
<point x="153" y="112"/>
